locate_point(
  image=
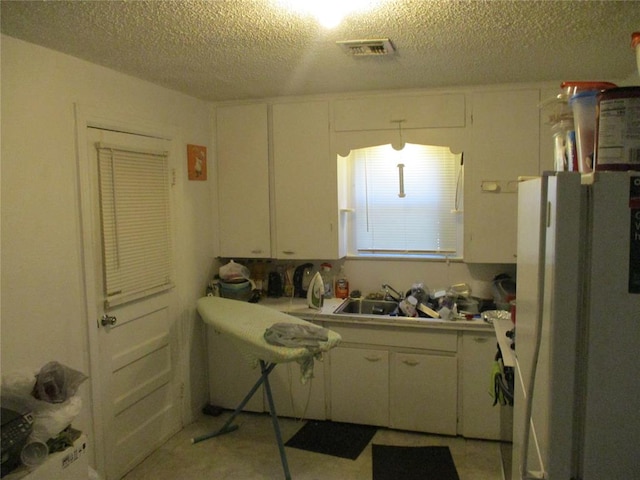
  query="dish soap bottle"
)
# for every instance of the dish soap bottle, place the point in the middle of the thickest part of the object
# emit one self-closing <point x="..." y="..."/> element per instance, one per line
<point x="342" y="284"/>
<point x="325" y="272"/>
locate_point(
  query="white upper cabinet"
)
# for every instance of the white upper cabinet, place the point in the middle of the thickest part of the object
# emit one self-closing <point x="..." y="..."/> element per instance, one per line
<point x="305" y="182"/>
<point x="409" y="111"/>
<point x="278" y="178"/>
<point x="505" y="145"/>
<point x="242" y="142"/>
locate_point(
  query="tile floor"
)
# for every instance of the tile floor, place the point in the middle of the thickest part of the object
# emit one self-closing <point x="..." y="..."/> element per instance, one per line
<point x="251" y="453"/>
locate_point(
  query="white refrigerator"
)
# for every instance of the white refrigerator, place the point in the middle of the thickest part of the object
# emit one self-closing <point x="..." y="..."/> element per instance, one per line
<point x="577" y="386"/>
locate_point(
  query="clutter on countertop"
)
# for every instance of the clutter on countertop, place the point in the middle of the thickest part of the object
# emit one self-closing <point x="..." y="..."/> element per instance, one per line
<point x="234" y="281"/>
<point x="452" y="303"/>
<point x="504" y="291"/>
<point x="275" y="279"/>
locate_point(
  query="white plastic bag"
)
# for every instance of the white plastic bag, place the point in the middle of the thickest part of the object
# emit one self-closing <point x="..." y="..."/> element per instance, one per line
<point x="93" y="475"/>
<point x="233" y="271"/>
<point x="49" y="419"/>
<point x="55" y="382"/>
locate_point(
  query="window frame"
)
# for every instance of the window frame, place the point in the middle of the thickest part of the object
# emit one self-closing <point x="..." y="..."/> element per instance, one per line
<point x="349" y="222"/>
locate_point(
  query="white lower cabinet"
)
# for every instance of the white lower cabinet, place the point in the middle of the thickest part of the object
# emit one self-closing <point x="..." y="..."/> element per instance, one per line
<point x="382" y="382"/>
<point x="231" y="376"/>
<point x="480" y="418"/>
<point x="403" y="378"/>
<point x="294" y="399"/>
<point x="360" y="385"/>
<point x="423" y="392"/>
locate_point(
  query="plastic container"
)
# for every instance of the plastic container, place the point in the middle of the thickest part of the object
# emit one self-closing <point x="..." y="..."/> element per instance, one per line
<point x="618" y="129"/>
<point x="584" y="118"/>
<point x="569" y="89"/>
<point x="408" y="306"/>
<point x="327" y="278"/>
<point x="342" y="284"/>
<point x="562" y="121"/>
<point x="561" y="145"/>
<point x="34" y="453"/>
<point x="236" y="291"/>
<point x="635" y="43"/>
<point x="571" y="150"/>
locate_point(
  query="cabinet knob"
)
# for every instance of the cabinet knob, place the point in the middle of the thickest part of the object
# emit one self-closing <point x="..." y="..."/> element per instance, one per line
<point x="288" y="252"/>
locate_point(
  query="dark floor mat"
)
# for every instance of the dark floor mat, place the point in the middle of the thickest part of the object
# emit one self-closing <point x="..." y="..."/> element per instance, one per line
<point x="413" y="463"/>
<point x="345" y="440"/>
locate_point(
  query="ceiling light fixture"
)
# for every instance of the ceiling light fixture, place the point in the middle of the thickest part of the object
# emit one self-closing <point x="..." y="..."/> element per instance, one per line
<point x="329" y="13"/>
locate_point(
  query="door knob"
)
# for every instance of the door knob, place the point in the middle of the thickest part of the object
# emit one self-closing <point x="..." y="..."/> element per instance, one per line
<point x="108" y="320"/>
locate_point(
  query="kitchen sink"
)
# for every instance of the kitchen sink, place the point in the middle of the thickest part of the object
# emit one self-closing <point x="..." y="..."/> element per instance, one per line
<point x="365" y="306"/>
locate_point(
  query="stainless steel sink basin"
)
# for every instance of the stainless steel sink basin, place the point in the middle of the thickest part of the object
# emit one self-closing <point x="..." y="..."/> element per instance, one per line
<point x="366" y="307"/>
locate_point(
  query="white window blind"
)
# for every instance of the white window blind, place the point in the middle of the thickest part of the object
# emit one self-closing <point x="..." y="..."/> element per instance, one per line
<point x="405" y="201"/>
<point x="135" y="211"/>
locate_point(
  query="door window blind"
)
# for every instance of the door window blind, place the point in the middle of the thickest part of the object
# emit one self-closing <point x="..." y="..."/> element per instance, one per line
<point x="405" y="200"/>
<point x="135" y="215"/>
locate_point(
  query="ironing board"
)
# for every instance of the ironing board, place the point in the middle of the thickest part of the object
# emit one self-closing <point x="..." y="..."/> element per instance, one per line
<point x="245" y="324"/>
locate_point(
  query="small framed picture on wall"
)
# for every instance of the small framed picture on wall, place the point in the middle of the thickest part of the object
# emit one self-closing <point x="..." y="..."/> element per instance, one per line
<point x="197" y="162"/>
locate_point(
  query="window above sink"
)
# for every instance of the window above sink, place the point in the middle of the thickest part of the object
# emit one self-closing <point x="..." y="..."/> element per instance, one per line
<point x="403" y="203"/>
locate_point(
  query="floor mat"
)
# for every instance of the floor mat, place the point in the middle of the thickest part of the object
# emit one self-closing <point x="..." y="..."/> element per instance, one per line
<point x="413" y="463"/>
<point x="345" y="440"/>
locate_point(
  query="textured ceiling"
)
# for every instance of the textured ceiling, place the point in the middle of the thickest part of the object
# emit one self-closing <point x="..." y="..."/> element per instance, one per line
<point x="239" y="49"/>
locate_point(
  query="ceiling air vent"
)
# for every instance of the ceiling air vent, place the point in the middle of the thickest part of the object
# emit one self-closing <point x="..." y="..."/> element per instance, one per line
<point x="366" y="48"/>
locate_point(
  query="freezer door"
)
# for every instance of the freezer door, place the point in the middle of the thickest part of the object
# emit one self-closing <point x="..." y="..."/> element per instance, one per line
<point x="551" y="228"/>
<point x="554" y="397"/>
<point x="612" y="391"/>
<point x="532" y="208"/>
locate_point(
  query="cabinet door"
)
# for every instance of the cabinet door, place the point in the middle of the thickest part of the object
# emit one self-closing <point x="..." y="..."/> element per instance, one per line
<point x="424" y="393"/>
<point x="230" y="375"/>
<point x="305" y="182"/>
<point x="505" y="145"/>
<point x="292" y="398"/>
<point x="383" y="112"/>
<point x="480" y="419"/>
<point x="243" y="181"/>
<point x="360" y="386"/>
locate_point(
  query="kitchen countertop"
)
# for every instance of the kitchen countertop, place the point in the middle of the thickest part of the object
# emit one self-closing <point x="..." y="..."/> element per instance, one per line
<point x="298" y="308"/>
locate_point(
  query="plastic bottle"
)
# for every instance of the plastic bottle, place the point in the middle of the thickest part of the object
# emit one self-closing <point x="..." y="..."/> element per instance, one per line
<point x="342" y="284"/>
<point x="325" y="272"/>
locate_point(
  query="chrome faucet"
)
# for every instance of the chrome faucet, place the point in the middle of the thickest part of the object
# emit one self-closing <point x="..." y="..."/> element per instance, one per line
<point x="399" y="296"/>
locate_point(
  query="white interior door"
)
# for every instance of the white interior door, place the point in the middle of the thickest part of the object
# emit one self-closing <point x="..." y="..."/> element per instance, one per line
<point x="137" y="396"/>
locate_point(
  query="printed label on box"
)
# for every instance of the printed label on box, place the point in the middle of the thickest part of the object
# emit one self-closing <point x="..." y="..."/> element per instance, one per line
<point x="634" y="245"/>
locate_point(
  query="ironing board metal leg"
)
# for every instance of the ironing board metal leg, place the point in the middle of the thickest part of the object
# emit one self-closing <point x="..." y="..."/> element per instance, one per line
<point x="276" y="425"/>
<point x="227" y="427"/>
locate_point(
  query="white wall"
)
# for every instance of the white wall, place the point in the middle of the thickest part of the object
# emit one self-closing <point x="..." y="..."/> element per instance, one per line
<point x="42" y="304"/>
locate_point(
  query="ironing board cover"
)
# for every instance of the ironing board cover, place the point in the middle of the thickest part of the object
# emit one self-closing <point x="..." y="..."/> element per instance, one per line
<point x="245" y="324"/>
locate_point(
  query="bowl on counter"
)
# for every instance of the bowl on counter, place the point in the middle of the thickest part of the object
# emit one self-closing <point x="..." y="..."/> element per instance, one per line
<point x="236" y="290"/>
